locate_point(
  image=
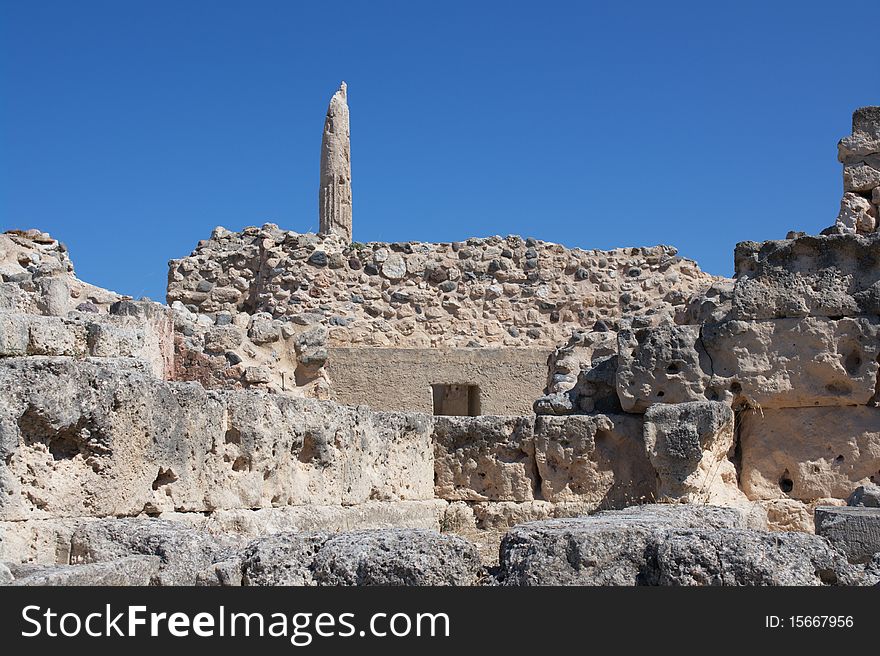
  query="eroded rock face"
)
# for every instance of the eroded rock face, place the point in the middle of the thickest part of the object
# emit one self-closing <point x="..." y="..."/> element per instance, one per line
<point x="37" y="277"/>
<point x="598" y="459"/>
<point x="744" y="557"/>
<point x="865" y="495"/>
<point x="854" y="531"/>
<point x="784" y="363"/>
<point x="860" y="155"/>
<point x="392" y="557"/>
<point x="183" y="552"/>
<point x="808" y="453"/>
<point x="688" y="445"/>
<point x="91" y="438"/>
<point x="485" y="458"/>
<point x="810" y="276"/>
<point x="128" y="571"/>
<point x="608" y="548"/>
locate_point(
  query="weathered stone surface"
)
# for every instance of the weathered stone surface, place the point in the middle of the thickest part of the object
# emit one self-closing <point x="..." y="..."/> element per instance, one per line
<point x="182" y="550"/>
<point x="608" y="548"/>
<point x="6" y="576"/>
<point x="688" y="445"/>
<point x="744" y="557"/>
<point x="282" y="559"/>
<point x="426" y="514"/>
<point x="711" y="305"/>
<point x="808" y="453"/>
<point x="599" y="459"/>
<point x="867" y="495"/>
<point x="93" y="439"/>
<point x="484" y="458"/>
<point x="396" y="557"/>
<point x="822" y="276"/>
<point x="389" y="557"/>
<point x="133" y="570"/>
<point x="666" y="364"/>
<point x="494" y="291"/>
<point x="854" y="531"/>
<point x="334" y="195"/>
<point x="857" y="214"/>
<point x="770" y="364"/>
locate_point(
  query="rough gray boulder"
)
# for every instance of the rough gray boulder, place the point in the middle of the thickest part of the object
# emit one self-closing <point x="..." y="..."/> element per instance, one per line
<point x="853" y="530"/>
<point x="183" y="551"/>
<point x="373" y="557"/>
<point x="133" y="570"/>
<point x="865" y="495"/>
<point x="608" y="548"/>
<point x="744" y="557"/>
<point x="397" y="557"/>
<point x="281" y="559"/>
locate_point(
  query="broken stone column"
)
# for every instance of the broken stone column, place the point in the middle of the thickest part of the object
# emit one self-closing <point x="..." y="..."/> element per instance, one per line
<point x="334" y="195"/>
<point x="860" y="155"/>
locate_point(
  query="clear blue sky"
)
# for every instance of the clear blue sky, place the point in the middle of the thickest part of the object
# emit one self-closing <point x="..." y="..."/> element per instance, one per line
<point x="131" y="129"/>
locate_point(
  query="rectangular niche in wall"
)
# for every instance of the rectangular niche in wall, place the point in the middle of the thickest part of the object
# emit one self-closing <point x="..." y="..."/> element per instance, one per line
<point x="456" y="400"/>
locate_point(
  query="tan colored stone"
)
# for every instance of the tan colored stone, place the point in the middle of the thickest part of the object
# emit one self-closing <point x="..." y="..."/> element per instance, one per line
<point x="770" y="364"/>
<point x="689" y="445"/>
<point x="598" y="459"/>
<point x="808" y="453"/>
<point x="484" y="458"/>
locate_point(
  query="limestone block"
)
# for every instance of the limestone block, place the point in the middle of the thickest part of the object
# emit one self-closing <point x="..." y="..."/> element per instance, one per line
<point x="808" y="453"/>
<point x="795" y="363"/>
<point x="688" y="445"/>
<point x="184" y="551"/>
<point x="13" y="334"/>
<point x="666" y="364"/>
<point x="383" y="557"/>
<point x="857" y="214"/>
<point x="484" y="458"/>
<point x="861" y="176"/>
<point x="93" y="438"/>
<point x="867" y="495"/>
<point x="855" y="531"/>
<point x="824" y="276"/>
<point x="55" y="336"/>
<point x="782" y="363"/>
<point x="598" y="459"/>
<point x="426" y="514"/>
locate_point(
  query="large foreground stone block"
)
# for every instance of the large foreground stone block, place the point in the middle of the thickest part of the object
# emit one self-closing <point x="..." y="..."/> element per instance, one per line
<point x="820" y="276"/>
<point x="128" y="571"/>
<point x="744" y="557"/>
<point x="599" y="459"/>
<point x="855" y="531"/>
<point x="808" y="453"/>
<point x="388" y="557"/>
<point x="484" y="458"/>
<point x="608" y="548"/>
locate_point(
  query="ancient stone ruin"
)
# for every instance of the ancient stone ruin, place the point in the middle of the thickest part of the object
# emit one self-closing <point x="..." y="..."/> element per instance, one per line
<point x="309" y="410"/>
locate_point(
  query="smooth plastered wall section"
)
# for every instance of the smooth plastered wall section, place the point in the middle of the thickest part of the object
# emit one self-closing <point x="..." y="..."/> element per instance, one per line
<point x="509" y="379"/>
